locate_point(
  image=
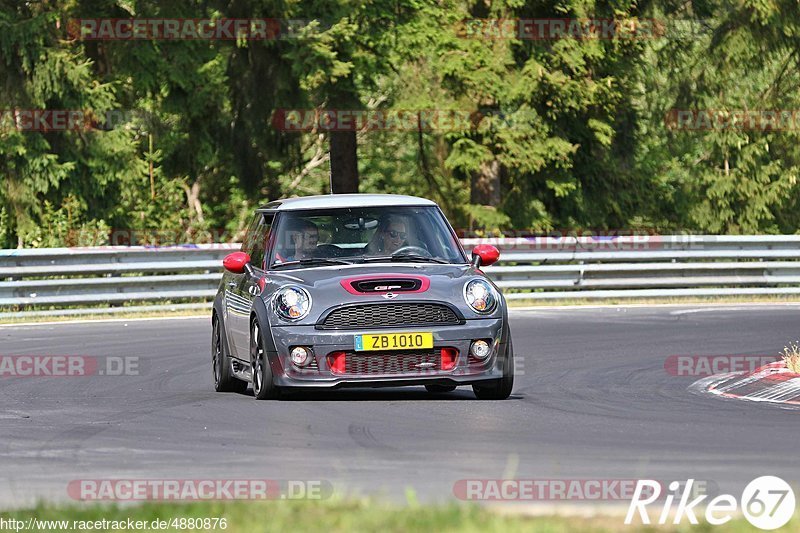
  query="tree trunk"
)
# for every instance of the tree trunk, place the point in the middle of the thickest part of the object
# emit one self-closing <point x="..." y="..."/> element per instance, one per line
<point x="342" y="95"/>
<point x="193" y="199"/>
<point x="344" y="162"/>
<point x="485" y="186"/>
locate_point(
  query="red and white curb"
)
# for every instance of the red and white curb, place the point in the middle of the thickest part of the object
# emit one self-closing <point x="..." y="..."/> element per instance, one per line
<point x="772" y="383"/>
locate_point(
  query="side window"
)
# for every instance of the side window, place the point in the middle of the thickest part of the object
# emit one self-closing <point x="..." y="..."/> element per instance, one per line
<point x="257" y="239"/>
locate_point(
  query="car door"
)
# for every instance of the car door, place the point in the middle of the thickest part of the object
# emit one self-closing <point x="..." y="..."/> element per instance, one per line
<point x="241" y="289"/>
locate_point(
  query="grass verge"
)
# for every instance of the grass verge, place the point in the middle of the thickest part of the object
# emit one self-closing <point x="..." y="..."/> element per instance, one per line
<point x="334" y="516"/>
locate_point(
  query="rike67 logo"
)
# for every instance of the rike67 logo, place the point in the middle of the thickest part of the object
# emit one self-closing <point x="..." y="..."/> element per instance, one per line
<point x="767" y="502"/>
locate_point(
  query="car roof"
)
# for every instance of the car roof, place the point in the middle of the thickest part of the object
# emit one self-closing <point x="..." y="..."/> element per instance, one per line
<point x="332" y="201"/>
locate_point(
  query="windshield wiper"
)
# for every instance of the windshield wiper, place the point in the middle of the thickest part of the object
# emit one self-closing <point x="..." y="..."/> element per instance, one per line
<point x="312" y="261"/>
<point x="406" y="257"/>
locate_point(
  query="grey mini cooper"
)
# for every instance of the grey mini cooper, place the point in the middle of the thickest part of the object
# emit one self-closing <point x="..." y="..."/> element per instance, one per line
<point x="359" y="290"/>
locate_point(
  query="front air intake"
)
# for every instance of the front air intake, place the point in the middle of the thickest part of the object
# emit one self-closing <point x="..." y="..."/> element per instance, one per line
<point x="387" y="285"/>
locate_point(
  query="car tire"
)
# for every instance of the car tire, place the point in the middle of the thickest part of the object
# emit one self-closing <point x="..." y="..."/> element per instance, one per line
<point x="498" y="389"/>
<point x="440" y="388"/>
<point x="263" y="385"/>
<point x="224" y="381"/>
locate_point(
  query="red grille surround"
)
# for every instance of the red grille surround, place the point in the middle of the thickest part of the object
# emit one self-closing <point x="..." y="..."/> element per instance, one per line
<point x="412" y="362"/>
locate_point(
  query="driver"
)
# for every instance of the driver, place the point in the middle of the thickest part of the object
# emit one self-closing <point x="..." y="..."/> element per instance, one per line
<point x="303" y="237"/>
<point x="390" y="237"/>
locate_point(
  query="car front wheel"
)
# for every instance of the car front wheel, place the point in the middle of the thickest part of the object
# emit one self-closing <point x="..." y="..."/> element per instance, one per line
<point x="498" y="389"/>
<point x="220" y="362"/>
<point x="263" y="386"/>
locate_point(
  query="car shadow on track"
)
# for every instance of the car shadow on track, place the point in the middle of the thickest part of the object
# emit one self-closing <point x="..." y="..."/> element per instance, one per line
<point x="379" y="395"/>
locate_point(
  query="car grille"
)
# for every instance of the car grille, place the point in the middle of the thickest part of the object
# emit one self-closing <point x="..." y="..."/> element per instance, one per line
<point x="389" y="315"/>
<point x="393" y="363"/>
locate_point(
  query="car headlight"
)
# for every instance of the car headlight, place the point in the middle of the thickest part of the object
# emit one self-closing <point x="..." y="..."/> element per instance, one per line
<point x="292" y="303"/>
<point x="480" y="296"/>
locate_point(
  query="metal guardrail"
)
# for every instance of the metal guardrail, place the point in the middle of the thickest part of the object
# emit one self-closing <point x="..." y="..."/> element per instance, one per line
<point x="646" y="266"/>
<point x="111" y="274"/>
<point x="536" y="268"/>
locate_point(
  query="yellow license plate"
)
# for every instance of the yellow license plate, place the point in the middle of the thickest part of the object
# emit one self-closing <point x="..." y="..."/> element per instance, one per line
<point x="393" y="341"/>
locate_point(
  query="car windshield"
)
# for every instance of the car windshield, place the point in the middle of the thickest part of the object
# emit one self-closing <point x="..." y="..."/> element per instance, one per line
<point x="361" y="235"/>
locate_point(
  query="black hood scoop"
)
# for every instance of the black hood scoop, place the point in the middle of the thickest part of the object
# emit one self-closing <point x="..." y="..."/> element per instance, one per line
<point x="387" y="285"/>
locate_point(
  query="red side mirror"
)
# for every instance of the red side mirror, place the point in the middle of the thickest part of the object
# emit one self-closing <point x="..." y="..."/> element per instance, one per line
<point x="236" y="262"/>
<point x="485" y="255"/>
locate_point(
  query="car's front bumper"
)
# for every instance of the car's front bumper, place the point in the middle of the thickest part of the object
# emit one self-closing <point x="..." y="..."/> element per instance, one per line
<point x="325" y="342"/>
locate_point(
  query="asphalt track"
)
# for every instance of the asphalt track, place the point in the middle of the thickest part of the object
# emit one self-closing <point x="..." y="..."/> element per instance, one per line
<point x="592" y="401"/>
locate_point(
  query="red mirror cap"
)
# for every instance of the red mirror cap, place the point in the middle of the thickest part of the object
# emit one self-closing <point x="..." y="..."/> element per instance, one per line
<point x="488" y="254"/>
<point x="235" y="262"/>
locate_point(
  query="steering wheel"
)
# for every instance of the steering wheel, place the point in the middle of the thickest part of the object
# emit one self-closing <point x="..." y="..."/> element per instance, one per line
<point x="328" y="250"/>
<point x="412" y="250"/>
